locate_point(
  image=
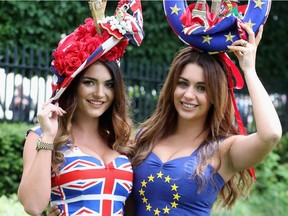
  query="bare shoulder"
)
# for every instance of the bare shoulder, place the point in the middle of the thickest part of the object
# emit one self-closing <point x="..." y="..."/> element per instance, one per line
<point x="31" y="137"/>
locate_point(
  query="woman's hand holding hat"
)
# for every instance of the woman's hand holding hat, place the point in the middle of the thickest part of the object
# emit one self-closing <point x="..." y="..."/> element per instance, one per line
<point x="48" y="118"/>
<point x="246" y="50"/>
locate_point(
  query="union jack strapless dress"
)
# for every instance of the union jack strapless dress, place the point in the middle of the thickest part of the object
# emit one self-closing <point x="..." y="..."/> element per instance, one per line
<point x="87" y="186"/>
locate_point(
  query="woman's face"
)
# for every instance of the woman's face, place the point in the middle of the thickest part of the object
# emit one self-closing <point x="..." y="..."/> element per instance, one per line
<point x="190" y="98"/>
<point x="95" y="91"/>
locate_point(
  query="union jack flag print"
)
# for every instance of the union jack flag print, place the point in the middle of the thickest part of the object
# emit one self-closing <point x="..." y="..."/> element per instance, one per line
<point x="87" y="186"/>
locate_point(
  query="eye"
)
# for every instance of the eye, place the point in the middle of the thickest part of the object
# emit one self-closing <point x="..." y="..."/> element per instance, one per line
<point x="88" y="82"/>
<point x="182" y="84"/>
<point x="110" y="84"/>
<point x="201" y="88"/>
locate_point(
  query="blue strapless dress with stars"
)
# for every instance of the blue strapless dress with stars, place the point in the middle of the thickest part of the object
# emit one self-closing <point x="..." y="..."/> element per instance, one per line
<point x="169" y="188"/>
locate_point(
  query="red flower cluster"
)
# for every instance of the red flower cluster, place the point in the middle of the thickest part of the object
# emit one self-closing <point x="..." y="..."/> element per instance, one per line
<point x="75" y="48"/>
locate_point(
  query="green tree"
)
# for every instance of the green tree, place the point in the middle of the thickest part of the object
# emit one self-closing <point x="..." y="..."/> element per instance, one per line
<point x="39" y="24"/>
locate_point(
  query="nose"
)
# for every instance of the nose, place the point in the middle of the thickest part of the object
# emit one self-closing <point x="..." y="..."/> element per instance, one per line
<point x="99" y="91"/>
<point x="190" y="93"/>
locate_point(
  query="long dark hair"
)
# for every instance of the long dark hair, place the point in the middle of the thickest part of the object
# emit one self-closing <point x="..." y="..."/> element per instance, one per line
<point x="114" y="125"/>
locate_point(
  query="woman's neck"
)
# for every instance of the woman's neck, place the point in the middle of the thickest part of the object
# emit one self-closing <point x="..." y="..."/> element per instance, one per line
<point x="190" y="129"/>
<point x="85" y="125"/>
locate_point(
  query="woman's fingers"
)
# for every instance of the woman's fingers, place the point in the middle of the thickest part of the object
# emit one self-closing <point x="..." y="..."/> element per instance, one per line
<point x="259" y="35"/>
<point x="53" y="211"/>
<point x="251" y="34"/>
<point x="49" y="109"/>
<point x="48" y="117"/>
<point x="241" y="47"/>
<point x="46" y="103"/>
<point x="246" y="50"/>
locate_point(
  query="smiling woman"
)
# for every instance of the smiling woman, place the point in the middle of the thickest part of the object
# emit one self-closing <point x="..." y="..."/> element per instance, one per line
<point x="95" y="90"/>
<point x="189" y="153"/>
<point x="190" y="98"/>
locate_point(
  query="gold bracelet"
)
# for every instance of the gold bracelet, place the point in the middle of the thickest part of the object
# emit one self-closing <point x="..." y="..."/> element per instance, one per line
<point x="43" y="145"/>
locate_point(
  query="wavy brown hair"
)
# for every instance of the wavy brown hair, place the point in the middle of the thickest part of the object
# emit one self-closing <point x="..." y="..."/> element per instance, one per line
<point x="114" y="124"/>
<point x="219" y="123"/>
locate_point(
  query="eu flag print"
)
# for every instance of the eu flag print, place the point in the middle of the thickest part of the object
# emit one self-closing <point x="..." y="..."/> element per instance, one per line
<point x="87" y="186"/>
<point x="169" y="188"/>
<point x="212" y="29"/>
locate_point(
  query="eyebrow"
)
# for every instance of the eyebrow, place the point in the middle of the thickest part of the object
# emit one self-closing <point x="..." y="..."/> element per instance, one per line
<point x="188" y="80"/>
<point x="93" y="79"/>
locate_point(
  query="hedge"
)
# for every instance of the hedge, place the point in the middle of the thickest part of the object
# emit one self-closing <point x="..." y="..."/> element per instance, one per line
<point x="12" y="137"/>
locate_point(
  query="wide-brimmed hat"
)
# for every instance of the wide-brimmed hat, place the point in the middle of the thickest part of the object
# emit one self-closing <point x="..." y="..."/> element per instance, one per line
<point x="103" y="39"/>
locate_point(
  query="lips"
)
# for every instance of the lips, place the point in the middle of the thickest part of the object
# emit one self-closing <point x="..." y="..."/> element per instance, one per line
<point x="98" y="103"/>
<point x="187" y="105"/>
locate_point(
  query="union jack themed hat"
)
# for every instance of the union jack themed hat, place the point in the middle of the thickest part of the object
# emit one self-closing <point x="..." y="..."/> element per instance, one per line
<point x="101" y="38"/>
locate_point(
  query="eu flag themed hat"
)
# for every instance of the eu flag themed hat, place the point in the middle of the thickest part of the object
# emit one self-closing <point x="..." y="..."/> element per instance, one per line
<point x="212" y="29"/>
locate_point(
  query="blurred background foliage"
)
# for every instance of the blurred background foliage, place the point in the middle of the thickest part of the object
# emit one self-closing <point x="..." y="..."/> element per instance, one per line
<point x="40" y="24"/>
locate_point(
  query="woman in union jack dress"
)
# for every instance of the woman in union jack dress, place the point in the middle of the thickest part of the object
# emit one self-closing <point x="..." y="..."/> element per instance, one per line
<point x="78" y="159"/>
